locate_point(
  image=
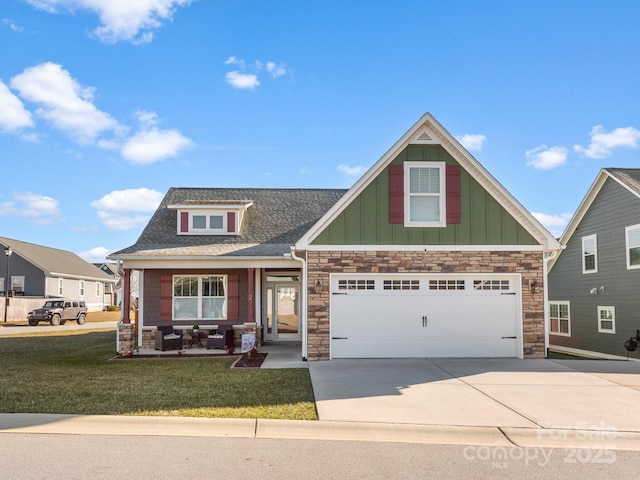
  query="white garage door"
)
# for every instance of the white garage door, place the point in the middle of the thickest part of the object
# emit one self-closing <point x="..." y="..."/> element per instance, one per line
<point x="449" y="315"/>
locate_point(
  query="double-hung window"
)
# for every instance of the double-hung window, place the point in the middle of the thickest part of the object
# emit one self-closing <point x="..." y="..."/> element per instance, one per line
<point x="200" y="297"/>
<point x="607" y="319"/>
<point x="425" y="196"/>
<point x="590" y="254"/>
<point x="559" y="319"/>
<point x="632" y="234"/>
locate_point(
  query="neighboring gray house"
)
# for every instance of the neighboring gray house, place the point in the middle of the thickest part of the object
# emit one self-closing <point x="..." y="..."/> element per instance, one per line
<point x="38" y="271"/>
<point x="594" y="284"/>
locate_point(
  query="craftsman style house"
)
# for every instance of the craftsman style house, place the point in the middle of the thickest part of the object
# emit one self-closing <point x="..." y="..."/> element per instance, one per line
<point x="426" y="255"/>
<point x="594" y="283"/>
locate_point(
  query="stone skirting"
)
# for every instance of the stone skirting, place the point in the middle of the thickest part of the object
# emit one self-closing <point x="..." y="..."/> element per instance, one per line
<point x="322" y="264"/>
<point x="149" y="334"/>
<point x="126" y="339"/>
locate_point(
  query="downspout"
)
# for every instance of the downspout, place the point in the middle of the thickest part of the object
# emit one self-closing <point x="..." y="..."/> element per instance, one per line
<point x="547" y="257"/>
<point x="303" y="307"/>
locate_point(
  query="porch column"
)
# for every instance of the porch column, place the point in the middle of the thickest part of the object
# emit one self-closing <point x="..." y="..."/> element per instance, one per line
<point x="251" y="307"/>
<point x="126" y="296"/>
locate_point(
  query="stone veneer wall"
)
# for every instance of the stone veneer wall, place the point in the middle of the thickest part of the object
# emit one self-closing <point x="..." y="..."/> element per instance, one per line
<point x="321" y="264"/>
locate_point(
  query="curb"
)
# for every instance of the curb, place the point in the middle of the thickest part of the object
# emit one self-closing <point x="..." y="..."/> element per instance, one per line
<point x="316" y="430"/>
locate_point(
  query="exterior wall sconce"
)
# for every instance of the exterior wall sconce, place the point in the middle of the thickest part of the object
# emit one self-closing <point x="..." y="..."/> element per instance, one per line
<point x="318" y="287"/>
<point x="596" y="291"/>
<point x="533" y="286"/>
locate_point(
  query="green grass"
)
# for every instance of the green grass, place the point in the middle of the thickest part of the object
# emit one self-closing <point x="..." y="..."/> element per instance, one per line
<point x="73" y="374"/>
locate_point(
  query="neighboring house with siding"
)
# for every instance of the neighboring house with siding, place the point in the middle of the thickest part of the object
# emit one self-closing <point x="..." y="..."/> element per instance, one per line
<point x="426" y="255"/>
<point x="39" y="271"/>
<point x="594" y="284"/>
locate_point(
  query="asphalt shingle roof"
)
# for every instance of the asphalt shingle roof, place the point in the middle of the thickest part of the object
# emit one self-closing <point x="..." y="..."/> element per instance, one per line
<point x="55" y="260"/>
<point x="277" y="219"/>
<point x="628" y="176"/>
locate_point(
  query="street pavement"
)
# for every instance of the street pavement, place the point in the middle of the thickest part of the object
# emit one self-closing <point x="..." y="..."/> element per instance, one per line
<point x="9" y="329"/>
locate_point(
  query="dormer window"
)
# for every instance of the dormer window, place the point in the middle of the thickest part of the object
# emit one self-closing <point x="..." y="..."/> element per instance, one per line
<point x="216" y="218"/>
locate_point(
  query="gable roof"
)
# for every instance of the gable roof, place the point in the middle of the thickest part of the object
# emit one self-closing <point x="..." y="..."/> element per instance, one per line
<point x="276" y="219"/>
<point x="629" y="178"/>
<point x="428" y="131"/>
<point x="53" y="261"/>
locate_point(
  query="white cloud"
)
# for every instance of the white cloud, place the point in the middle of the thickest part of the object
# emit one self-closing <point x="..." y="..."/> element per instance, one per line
<point x="276" y="70"/>
<point x="546" y="158"/>
<point x="232" y="60"/>
<point x="242" y="80"/>
<point x="352" y="171"/>
<point x="95" y="255"/>
<point x="152" y="145"/>
<point x="127" y="209"/>
<point x="13" y="115"/>
<point x="602" y="143"/>
<point x="39" y="209"/>
<point x="554" y="223"/>
<point x="472" y="141"/>
<point x="122" y="20"/>
<point x="63" y="102"/>
<point x="9" y="23"/>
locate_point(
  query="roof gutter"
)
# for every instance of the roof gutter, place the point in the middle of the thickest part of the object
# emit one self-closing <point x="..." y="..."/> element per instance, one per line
<point x="303" y="307"/>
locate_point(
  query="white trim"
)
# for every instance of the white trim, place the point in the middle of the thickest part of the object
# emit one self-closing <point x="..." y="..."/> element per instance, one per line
<point x="304" y="334"/>
<point x="201" y="262"/>
<point x="568" y="304"/>
<point x="587" y="238"/>
<point x="140" y="304"/>
<point x="466" y="161"/>
<point x="626" y="243"/>
<point x="230" y="206"/>
<point x="442" y="195"/>
<point x="426" y="248"/>
<point x="589" y="353"/>
<point x="612" y="330"/>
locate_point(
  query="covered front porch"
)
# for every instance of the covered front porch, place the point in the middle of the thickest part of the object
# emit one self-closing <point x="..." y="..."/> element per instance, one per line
<point x="265" y="302"/>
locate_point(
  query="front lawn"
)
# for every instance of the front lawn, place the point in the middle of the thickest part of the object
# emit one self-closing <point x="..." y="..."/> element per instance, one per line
<point x="74" y="375"/>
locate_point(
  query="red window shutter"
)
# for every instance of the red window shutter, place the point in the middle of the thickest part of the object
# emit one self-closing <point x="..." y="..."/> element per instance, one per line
<point x="232" y="298"/>
<point x="453" y="194"/>
<point x="166" y="298"/>
<point x="231" y="222"/>
<point x="396" y="194"/>
<point x="184" y="222"/>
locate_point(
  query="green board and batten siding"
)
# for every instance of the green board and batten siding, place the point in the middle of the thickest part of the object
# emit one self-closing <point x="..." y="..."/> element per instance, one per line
<point x="365" y="221"/>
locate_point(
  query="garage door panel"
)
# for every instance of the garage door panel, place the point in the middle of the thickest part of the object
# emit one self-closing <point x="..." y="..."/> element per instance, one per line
<point x="426" y="322"/>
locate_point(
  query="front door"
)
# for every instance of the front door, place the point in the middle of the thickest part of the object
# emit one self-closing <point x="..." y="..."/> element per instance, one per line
<point x="283" y="312"/>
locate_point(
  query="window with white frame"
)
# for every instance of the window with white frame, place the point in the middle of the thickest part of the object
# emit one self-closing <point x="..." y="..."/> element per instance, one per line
<point x="81" y="288"/>
<point x="199" y="296"/>
<point x="590" y="254"/>
<point x="207" y="222"/>
<point x="425" y="200"/>
<point x="559" y="319"/>
<point x="17" y="284"/>
<point x="60" y="285"/>
<point x="98" y="289"/>
<point x="632" y="234"/>
<point x="607" y="319"/>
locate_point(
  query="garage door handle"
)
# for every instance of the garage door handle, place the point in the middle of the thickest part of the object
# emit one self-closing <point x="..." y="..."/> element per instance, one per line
<point x="509" y="337"/>
<point x="339" y="338"/>
<point x="339" y="293"/>
<point x="425" y="321"/>
<point x="508" y="293"/>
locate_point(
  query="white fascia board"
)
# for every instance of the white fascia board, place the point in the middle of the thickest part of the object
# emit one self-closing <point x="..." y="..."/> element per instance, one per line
<point x="137" y="263"/>
<point x="425" y="248"/>
<point x="81" y="277"/>
<point x="465" y="159"/>
<point x="218" y="206"/>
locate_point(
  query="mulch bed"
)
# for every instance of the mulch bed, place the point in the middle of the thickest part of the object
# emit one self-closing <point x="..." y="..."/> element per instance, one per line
<point x="245" y="362"/>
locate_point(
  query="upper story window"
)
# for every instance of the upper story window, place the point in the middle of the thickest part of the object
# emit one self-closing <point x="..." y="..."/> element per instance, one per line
<point x="425" y="199"/>
<point x="590" y="254"/>
<point x="60" y="285"/>
<point x="81" y="288"/>
<point x="632" y="234"/>
<point x="212" y="218"/>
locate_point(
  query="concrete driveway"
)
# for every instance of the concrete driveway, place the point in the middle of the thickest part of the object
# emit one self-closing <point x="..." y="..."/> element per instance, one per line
<point x="504" y="393"/>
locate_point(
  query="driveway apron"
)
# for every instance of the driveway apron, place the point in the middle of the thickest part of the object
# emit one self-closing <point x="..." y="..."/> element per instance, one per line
<point x="581" y="394"/>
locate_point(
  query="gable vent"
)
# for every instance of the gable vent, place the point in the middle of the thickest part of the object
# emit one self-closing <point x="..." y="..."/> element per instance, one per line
<point x="424" y="136"/>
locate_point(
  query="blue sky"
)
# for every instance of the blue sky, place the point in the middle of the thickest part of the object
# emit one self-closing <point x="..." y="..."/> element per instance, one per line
<point x="105" y="104"/>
